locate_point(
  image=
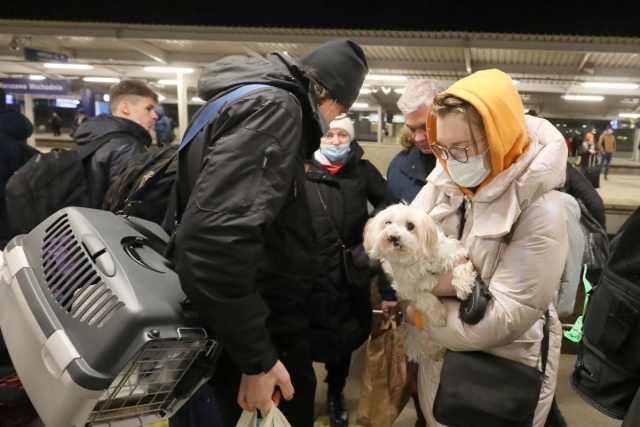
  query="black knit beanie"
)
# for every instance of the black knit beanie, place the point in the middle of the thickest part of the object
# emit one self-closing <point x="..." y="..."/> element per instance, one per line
<point x="341" y="67"/>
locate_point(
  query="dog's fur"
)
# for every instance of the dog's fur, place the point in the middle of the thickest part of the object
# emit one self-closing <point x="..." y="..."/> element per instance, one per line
<point x="413" y="252"/>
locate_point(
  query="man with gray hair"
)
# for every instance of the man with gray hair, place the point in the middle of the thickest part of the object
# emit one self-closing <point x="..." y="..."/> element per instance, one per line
<point x="406" y="175"/>
<point x="408" y="171"/>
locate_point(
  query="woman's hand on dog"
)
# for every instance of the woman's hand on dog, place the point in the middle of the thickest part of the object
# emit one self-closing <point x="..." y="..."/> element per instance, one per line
<point x="444" y="287"/>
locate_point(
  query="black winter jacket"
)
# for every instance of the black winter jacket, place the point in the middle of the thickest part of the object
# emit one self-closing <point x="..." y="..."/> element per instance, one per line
<point x="104" y="165"/>
<point x="14" y="130"/>
<point x="244" y="247"/>
<point x="340" y="314"/>
<point x="579" y="187"/>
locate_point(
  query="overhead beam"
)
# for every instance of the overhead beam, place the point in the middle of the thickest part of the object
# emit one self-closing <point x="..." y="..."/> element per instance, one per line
<point x="148" y="49"/>
<point x="142" y="32"/>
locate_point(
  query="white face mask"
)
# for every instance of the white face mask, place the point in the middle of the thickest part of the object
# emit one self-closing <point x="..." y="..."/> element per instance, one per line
<point x="608" y="131"/>
<point x="469" y="174"/>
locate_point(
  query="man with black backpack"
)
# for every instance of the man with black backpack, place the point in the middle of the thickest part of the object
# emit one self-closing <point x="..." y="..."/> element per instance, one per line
<point x="244" y="246"/>
<point x="133" y="115"/>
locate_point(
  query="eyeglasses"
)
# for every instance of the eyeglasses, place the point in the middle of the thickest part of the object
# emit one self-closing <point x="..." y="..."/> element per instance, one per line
<point x="461" y="154"/>
<point x="344" y="114"/>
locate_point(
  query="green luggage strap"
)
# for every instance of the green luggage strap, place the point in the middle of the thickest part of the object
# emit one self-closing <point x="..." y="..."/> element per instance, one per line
<point x="575" y="333"/>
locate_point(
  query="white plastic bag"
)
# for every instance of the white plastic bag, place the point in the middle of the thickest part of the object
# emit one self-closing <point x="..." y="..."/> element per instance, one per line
<point x="273" y="419"/>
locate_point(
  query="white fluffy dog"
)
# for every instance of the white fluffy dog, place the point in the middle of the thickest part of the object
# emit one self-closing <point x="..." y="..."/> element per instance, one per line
<point x="413" y="252"/>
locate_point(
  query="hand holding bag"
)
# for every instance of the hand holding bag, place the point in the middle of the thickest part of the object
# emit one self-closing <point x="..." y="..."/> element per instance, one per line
<point x="479" y="389"/>
<point x="384" y="390"/>
<point x="274" y="418"/>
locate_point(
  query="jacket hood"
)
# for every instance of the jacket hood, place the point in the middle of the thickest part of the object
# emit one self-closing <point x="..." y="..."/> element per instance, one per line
<point x="105" y="124"/>
<point x="15" y="125"/>
<point x="276" y="70"/>
<point x="540" y="169"/>
<point x="237" y="70"/>
<point x="493" y="94"/>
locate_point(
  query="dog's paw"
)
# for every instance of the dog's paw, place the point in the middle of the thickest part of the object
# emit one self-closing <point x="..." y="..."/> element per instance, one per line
<point x="463" y="280"/>
<point x="437" y="316"/>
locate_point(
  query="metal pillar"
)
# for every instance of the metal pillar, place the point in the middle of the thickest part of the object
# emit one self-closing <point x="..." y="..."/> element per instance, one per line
<point x="28" y="112"/>
<point x="635" y="142"/>
<point x="88" y="102"/>
<point x="381" y="123"/>
<point x="183" y="115"/>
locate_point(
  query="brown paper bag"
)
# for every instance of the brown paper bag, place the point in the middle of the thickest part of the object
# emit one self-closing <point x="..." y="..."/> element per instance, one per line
<point x="384" y="390"/>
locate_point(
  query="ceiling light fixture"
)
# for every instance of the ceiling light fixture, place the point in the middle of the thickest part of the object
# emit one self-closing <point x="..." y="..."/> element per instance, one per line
<point x="161" y="97"/>
<point x="385" y="90"/>
<point x="197" y="99"/>
<point x="386" y="77"/>
<point x="583" y="97"/>
<point x="360" y="105"/>
<point x="515" y="82"/>
<point x="400" y="91"/>
<point x="603" y="85"/>
<point x="169" y="70"/>
<point x="36" y="77"/>
<point x="630" y="115"/>
<point x="67" y="66"/>
<point x="365" y="91"/>
<point x="167" y="82"/>
<point x="102" y="79"/>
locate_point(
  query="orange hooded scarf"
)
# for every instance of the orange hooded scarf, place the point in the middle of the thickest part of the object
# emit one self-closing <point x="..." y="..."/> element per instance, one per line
<point x="493" y="94"/>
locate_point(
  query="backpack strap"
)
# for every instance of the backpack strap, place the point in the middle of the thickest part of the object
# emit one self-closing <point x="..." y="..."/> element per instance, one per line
<point x="203" y="117"/>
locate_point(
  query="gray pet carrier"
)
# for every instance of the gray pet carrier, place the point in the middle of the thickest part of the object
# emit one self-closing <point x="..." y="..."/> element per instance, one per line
<point x="93" y="318"/>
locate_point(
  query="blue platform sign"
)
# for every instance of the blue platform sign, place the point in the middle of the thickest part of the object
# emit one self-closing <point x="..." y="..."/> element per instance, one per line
<point x="44" y="56"/>
<point x="46" y="86"/>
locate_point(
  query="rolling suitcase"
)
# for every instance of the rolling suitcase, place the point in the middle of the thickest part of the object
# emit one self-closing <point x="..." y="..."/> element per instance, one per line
<point x="593" y="171"/>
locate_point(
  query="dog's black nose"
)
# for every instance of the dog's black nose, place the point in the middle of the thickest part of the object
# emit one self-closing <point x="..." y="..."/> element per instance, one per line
<point x="394" y="239"/>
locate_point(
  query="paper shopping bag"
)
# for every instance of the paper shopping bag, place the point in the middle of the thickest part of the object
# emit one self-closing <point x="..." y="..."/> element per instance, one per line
<point x="384" y="390"/>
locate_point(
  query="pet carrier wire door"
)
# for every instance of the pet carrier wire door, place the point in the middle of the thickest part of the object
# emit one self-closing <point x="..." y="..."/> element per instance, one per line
<point x="92" y="316"/>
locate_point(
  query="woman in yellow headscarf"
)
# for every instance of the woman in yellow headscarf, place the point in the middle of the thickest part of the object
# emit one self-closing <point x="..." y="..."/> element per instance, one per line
<point x="498" y="169"/>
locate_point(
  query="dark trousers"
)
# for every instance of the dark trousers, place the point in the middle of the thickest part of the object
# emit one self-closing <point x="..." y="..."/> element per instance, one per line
<point x="199" y="411"/>
<point x="296" y="357"/>
<point x="606" y="162"/>
<point x="337" y="374"/>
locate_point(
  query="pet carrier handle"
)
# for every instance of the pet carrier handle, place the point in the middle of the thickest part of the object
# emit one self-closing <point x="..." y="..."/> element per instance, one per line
<point x="198" y="123"/>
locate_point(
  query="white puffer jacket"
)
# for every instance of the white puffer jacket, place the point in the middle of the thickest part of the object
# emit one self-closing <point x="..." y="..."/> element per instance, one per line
<point x="523" y="275"/>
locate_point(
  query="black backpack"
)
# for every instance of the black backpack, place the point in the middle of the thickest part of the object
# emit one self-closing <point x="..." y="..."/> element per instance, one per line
<point x="607" y="371"/>
<point x="134" y="174"/>
<point x="49" y="182"/>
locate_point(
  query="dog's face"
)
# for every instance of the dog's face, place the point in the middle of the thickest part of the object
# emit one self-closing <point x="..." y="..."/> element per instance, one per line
<point x="401" y="234"/>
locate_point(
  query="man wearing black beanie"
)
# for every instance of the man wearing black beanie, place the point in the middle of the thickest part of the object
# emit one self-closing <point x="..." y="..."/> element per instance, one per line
<point x="244" y="248"/>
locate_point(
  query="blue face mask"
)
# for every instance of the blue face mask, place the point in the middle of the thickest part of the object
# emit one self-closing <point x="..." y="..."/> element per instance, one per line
<point x="335" y="153"/>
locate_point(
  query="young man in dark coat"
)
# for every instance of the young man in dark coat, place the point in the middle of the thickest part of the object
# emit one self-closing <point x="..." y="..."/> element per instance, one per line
<point x="244" y="246"/>
<point x="14" y="130"/>
<point x="132" y="104"/>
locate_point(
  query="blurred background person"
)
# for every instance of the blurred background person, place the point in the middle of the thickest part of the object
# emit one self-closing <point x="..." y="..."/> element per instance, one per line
<point x="56" y="123"/>
<point x="15" y="128"/>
